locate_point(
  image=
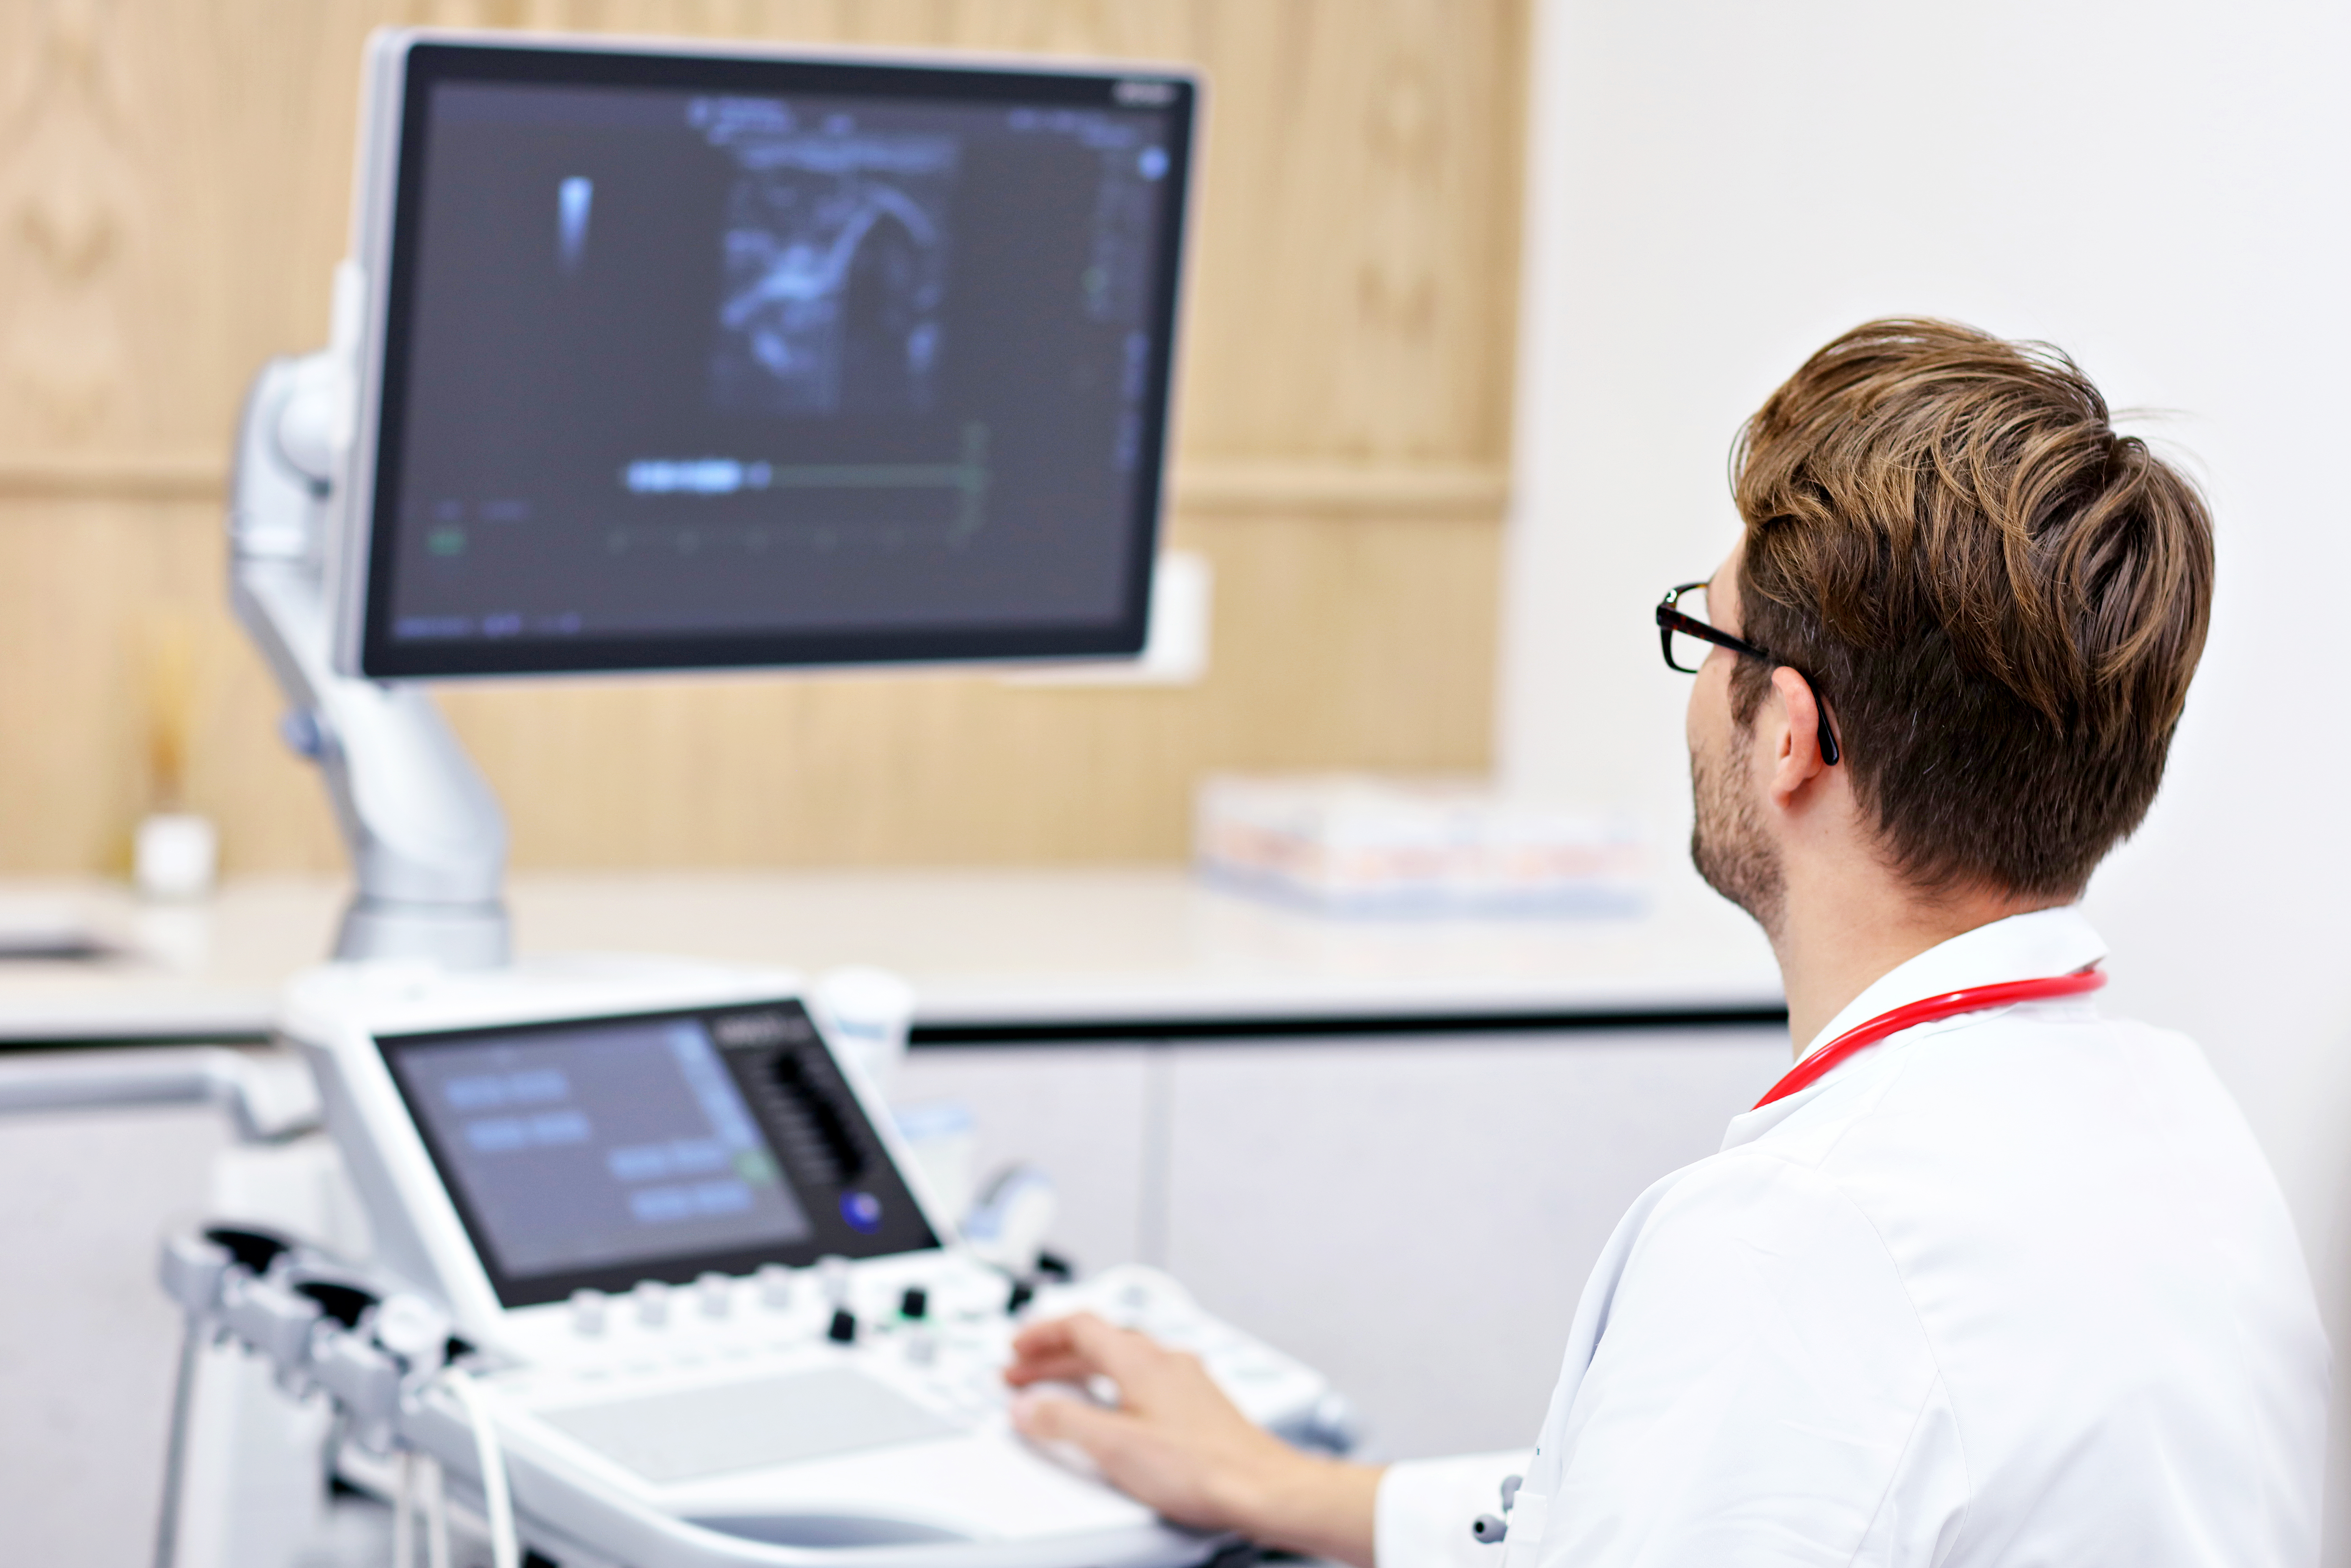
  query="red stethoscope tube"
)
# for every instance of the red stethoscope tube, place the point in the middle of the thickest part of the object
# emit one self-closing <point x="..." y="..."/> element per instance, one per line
<point x="1910" y="1015"/>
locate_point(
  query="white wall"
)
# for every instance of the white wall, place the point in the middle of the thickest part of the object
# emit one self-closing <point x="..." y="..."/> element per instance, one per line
<point x="2163" y="189"/>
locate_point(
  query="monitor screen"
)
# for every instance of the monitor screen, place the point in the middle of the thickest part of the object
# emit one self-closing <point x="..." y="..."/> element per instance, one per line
<point x="600" y="1153"/>
<point x="705" y="360"/>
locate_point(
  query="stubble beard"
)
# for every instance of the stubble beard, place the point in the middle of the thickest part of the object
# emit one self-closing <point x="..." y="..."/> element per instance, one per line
<point x="1728" y="843"/>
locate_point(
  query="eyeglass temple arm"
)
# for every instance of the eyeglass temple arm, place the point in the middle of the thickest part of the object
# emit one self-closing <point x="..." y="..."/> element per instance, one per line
<point x="1830" y="752"/>
<point x="1670" y="618"/>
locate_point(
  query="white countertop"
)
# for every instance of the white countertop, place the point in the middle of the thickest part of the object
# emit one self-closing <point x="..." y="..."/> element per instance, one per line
<point x="984" y="948"/>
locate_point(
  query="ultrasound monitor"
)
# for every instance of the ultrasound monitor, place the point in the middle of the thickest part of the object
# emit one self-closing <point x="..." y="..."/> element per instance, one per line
<point x="655" y="356"/>
<point x="689" y="359"/>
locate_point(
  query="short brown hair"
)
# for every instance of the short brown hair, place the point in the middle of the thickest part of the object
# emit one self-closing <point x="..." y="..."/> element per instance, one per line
<point x="2000" y="600"/>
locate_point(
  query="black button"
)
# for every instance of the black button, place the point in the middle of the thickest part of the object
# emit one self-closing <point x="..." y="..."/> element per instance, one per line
<point x="916" y="1305"/>
<point x="1023" y="1292"/>
<point x="844" y="1326"/>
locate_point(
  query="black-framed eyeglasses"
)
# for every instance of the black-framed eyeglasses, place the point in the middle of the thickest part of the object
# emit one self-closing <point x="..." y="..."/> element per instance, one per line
<point x="1685" y="638"/>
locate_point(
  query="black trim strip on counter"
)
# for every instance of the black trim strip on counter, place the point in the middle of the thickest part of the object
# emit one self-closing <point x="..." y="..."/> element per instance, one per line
<point x="1146" y="1032"/>
<point x="12" y="1044"/>
<point x="1332" y="1026"/>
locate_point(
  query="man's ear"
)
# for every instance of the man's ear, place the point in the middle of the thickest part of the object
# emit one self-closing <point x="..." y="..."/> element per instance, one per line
<point x="1795" y="760"/>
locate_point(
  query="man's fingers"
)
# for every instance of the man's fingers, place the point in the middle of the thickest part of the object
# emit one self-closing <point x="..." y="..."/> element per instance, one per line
<point x="1118" y="1353"/>
<point x="1045" y="1352"/>
<point x="1052" y="1418"/>
<point x="1078" y="1347"/>
<point x="1061" y="1366"/>
<point x="1048" y="1338"/>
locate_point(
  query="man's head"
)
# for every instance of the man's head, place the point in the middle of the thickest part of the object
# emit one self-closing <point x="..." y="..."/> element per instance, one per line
<point x="2000" y="600"/>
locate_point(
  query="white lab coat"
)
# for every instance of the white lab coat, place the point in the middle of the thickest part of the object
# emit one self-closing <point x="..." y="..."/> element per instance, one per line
<point x="2013" y="1288"/>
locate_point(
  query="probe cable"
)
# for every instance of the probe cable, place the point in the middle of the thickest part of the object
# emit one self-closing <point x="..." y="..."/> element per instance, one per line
<point x="497" y="1502"/>
<point x="403" y="1512"/>
<point x="420" y="1496"/>
<point x="436" y="1513"/>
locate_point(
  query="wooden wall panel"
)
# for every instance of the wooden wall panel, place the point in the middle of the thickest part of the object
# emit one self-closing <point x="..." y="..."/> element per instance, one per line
<point x="173" y="176"/>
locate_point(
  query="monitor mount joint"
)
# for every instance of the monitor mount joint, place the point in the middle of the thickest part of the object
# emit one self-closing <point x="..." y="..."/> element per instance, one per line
<point x="426" y="836"/>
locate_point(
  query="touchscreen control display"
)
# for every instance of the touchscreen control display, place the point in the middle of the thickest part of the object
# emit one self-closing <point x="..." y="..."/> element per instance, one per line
<point x="604" y="1151"/>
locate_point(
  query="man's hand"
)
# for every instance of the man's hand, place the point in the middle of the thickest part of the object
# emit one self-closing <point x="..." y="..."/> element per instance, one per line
<point x="1176" y="1444"/>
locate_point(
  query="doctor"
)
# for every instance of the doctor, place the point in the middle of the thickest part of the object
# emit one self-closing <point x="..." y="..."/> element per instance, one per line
<point x="1990" y="1277"/>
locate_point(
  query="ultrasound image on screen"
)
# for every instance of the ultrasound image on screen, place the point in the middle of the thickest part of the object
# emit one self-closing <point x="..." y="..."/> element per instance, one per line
<point x="780" y="375"/>
<point x="836" y="249"/>
<point x="598" y="1145"/>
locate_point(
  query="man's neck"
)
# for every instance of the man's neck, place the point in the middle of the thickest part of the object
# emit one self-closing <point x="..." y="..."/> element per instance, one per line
<point x="1840" y="935"/>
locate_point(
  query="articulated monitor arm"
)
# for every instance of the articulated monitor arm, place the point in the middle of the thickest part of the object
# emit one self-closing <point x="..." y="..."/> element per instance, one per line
<point x="427" y="839"/>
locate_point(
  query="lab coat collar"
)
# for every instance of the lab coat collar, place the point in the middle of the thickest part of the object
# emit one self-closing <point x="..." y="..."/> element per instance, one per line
<point x="2021" y="947"/>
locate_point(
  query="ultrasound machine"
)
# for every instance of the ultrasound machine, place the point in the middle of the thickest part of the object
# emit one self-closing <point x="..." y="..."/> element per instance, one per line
<point x="652" y="356"/>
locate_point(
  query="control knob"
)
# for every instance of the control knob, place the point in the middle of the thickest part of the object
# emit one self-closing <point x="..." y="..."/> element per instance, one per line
<point x="653" y="1303"/>
<point x="588" y="1313"/>
<point x="774" y="1286"/>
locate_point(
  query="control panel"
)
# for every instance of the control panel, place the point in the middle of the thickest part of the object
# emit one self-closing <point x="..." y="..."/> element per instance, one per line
<point x="684" y="1269"/>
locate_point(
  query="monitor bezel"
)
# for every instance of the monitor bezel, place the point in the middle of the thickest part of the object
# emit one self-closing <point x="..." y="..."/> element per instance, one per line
<point x="405" y="65"/>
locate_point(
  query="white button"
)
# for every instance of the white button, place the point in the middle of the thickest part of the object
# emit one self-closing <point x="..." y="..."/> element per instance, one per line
<point x="653" y="1303"/>
<point x="833" y="1271"/>
<point x="588" y="1312"/>
<point x="774" y="1286"/>
<point x="716" y="1292"/>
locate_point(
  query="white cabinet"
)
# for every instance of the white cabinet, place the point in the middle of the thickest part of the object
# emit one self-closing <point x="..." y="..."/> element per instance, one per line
<point x="1413" y="1214"/>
